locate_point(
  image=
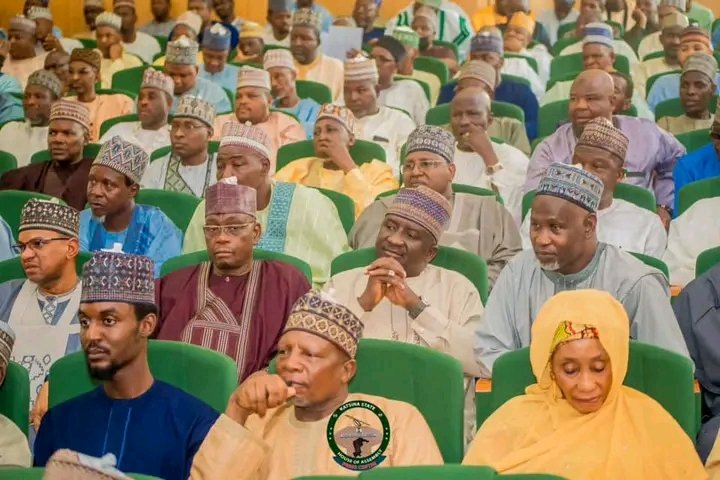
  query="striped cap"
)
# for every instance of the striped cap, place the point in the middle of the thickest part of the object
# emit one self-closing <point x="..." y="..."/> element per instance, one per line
<point x="87" y="55"/>
<point x="479" y="70"/>
<point x="47" y="79"/>
<point x="118" y="277"/>
<point x="253" y="77"/>
<point x="71" y="110"/>
<point x="598" y="32"/>
<point x="156" y="79"/>
<point x="696" y="34"/>
<point x="703" y="63"/>
<point x="108" y="19"/>
<point x="423" y="206"/>
<point x="279" y="58"/>
<point x="361" y="68"/>
<point x="601" y="133"/>
<point x="572" y="183"/>
<point x="22" y="23"/>
<point x="338" y="113"/>
<point x="44" y="215"/>
<point x="7" y="340"/>
<point x="238" y="134"/>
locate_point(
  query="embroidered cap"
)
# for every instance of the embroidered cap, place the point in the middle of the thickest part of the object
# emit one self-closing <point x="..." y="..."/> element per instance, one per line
<point x="123" y="157"/>
<point x="279" y="58"/>
<point x="253" y="77"/>
<point x="238" y="134"/>
<point x="696" y="34"/>
<point x="182" y="51"/>
<point x="423" y="206"/>
<point x="192" y="20"/>
<point x="479" y="70"/>
<point x="338" y="113"/>
<point x="227" y="197"/>
<point x="598" y="32"/>
<point x="488" y="40"/>
<point x="7" y="340"/>
<point x="87" y="55"/>
<point x="47" y="79"/>
<point x="216" y="37"/>
<point x="572" y="183"/>
<point x="601" y="133"/>
<point x="703" y="63"/>
<point x="392" y="45"/>
<point x="108" y="19"/>
<point x="252" y="30"/>
<point x="361" y="68"/>
<point x="407" y="36"/>
<point x="318" y="313"/>
<point x="69" y="110"/>
<point x="674" y="19"/>
<point x="433" y="139"/>
<point x="156" y="79"/>
<point x="22" y="23"/>
<point x="306" y="17"/>
<point x="44" y="215"/>
<point x="37" y="13"/>
<point x="65" y="464"/>
<point x="118" y="277"/>
<point x="197" y="108"/>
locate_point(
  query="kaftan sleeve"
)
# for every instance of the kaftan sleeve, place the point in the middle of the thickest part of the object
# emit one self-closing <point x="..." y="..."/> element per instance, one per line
<point x="166" y="243"/>
<point x="194" y="236"/>
<point x="669" y="151"/>
<point x="413" y="441"/>
<point x="652" y="319"/>
<point x="509" y="180"/>
<point x="541" y="159"/>
<point x="507" y="244"/>
<point x="366" y="228"/>
<point x="681" y="253"/>
<point x="364" y="183"/>
<point x="657" y="238"/>
<point x="229" y="451"/>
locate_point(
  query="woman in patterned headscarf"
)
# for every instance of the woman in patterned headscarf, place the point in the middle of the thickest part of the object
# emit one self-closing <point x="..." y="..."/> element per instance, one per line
<point x="579" y="421"/>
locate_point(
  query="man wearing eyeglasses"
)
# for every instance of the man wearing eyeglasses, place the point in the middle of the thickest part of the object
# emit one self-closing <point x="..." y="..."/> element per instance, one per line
<point x="232" y="304"/>
<point x="188" y="167"/>
<point x="478" y="223"/>
<point x="42" y="309"/>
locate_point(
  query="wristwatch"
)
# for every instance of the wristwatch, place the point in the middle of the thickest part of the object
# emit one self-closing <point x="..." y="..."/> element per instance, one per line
<point x="667" y="209"/>
<point x="418" y="308"/>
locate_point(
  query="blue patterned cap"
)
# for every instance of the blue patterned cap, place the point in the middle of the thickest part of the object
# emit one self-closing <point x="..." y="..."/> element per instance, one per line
<point x="431" y="138"/>
<point x="572" y="183"/>
<point x="598" y="32"/>
<point x="424" y="206"/>
<point x="488" y="40"/>
<point x="216" y="37"/>
<point x="118" y="277"/>
<point x="124" y="157"/>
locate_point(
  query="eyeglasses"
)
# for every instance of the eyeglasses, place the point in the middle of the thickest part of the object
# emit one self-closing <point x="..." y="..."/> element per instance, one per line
<point x="185" y="127"/>
<point x="36" y="244"/>
<point x="212" y="231"/>
<point x="423" y="165"/>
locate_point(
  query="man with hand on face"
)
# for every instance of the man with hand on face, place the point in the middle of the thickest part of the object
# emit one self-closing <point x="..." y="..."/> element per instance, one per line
<point x="425" y="24"/>
<point x="65" y="175"/>
<point x="109" y="42"/>
<point x="21" y="58"/>
<point x="516" y="39"/>
<point x="151" y="131"/>
<point x="58" y="62"/>
<point x="161" y="25"/>
<point x="279" y="23"/>
<point x="253" y="100"/>
<point x="647" y="21"/>
<point x="181" y="64"/>
<point x="283" y="73"/>
<point x="138" y="43"/>
<point x="552" y="19"/>
<point x="478" y="224"/>
<point x="113" y="217"/>
<point x="651" y="43"/>
<point x="215" y="49"/>
<point x="250" y="43"/>
<point x="410" y="41"/>
<point x="311" y="63"/>
<point x="274" y="426"/>
<point x="567" y="255"/>
<point x="406" y="95"/>
<point x="188" y="167"/>
<point x="425" y="305"/>
<point x="46" y="39"/>
<point x="232" y="304"/>
<point x="601" y="150"/>
<point x="697" y="87"/>
<point x="149" y="426"/>
<point x="333" y="167"/>
<point x="293" y="219"/>
<point x="23" y="139"/>
<point x="42" y="309"/>
<point x="651" y="155"/>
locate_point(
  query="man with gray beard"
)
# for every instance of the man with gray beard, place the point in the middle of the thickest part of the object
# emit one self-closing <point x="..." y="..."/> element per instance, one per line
<point x="566" y="255"/>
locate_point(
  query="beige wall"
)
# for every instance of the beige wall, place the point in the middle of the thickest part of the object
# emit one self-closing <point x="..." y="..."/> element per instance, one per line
<point x="68" y="13"/>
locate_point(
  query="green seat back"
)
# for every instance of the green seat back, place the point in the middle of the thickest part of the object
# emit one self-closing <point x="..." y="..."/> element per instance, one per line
<point x="431" y="472"/>
<point x="515" y="79"/>
<point x="206" y="374"/>
<point x="692" y="192"/>
<point x="434" y="66"/>
<point x="563" y="43"/>
<point x="459" y="188"/>
<point x="440" y="115"/>
<point x="564" y="64"/>
<point x="694" y="139"/>
<point x="652" y="262"/>
<point x="317" y="91"/>
<point x="530" y="60"/>
<point x="673" y="108"/>
<point x="179" y="207"/>
<point x="653" y="55"/>
<point x="663" y="375"/>
<point x="416" y="386"/>
<point x="162" y="40"/>
<point x="449" y="45"/>
<point x="15" y="396"/>
<point x="423" y="85"/>
<point x="707" y="260"/>
<point x="639" y="196"/>
<point x="345" y="207"/>
<point x="653" y="78"/>
<point x="362" y="152"/>
<point x="195" y="258"/>
<point x="551" y="115"/>
<point x="130" y="79"/>
<point x="465" y="263"/>
<point x="535" y="143"/>
<point x="7" y="162"/>
<point x="231" y="98"/>
<point x="12" y="203"/>
<point x="88" y="42"/>
<point x="11" y="269"/>
<point x="110" y="122"/>
<point x="89" y="151"/>
<point x="36" y="473"/>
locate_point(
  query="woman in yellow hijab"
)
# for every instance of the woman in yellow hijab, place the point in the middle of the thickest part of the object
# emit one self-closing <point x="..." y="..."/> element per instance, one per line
<point x="579" y="421"/>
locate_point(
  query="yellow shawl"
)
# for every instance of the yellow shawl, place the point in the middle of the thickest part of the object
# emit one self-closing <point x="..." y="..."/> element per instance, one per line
<point x="630" y="437"/>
